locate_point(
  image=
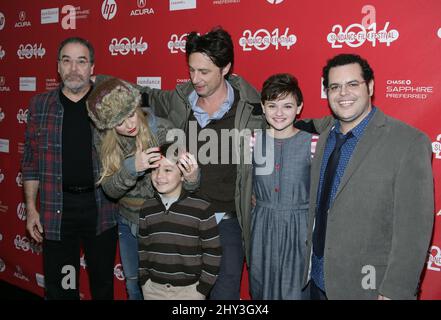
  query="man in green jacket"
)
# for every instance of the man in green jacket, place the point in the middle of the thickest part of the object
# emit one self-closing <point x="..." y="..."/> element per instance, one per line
<point x="214" y="101"/>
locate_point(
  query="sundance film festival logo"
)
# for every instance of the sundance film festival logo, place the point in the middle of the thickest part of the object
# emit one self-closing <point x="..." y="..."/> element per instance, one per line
<point x="109" y="9"/>
<point x="39" y="278"/>
<point x="2" y="21"/>
<point x="125" y="46"/>
<point x="177" y="43"/>
<point x="2" y="176"/>
<point x="22" y="115"/>
<point x="142" y="10"/>
<point x="434" y="262"/>
<point x="151" y="82"/>
<point x="356" y="34"/>
<point x="262" y="39"/>
<point x="118" y="272"/>
<point x="27" y="83"/>
<point x="405" y="89"/>
<point x="71" y="14"/>
<point x="23" y="243"/>
<point x="2" y="53"/>
<point x="275" y="1"/>
<point x="4" y="145"/>
<point x="19" y="180"/>
<point x="2" y="115"/>
<point x="436" y="147"/>
<point x="219" y="2"/>
<point x="182" y="4"/>
<point x="22" y="23"/>
<point x="21" y="211"/>
<point x="30" y="51"/>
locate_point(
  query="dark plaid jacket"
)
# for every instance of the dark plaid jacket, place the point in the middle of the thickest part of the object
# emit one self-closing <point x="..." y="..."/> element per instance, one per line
<point x="42" y="162"/>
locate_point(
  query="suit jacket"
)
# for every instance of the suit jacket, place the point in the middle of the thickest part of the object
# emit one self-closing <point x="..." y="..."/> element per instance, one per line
<point x="380" y="224"/>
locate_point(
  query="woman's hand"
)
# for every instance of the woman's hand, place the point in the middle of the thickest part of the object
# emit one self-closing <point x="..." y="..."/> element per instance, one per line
<point x="146" y="159"/>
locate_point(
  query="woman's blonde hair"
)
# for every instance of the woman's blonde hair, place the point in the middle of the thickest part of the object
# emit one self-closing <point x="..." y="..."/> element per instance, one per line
<point x="112" y="150"/>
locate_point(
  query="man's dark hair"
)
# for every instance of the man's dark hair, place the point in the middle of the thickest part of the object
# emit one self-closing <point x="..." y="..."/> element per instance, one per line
<point x="82" y="41"/>
<point x="280" y="85"/>
<point x="344" y="59"/>
<point x="216" y="44"/>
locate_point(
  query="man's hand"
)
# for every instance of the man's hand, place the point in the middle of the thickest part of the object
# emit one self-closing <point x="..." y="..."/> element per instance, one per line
<point x="33" y="225"/>
<point x="253" y="200"/>
<point x="189" y="167"/>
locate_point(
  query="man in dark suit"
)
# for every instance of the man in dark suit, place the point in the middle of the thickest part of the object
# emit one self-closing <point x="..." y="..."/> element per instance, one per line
<point x="371" y="214"/>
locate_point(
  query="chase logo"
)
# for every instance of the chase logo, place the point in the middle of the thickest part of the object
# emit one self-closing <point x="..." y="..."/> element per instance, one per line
<point x="436" y="147"/>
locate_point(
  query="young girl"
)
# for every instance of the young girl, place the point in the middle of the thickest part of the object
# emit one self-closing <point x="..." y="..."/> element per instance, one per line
<point x="126" y="140"/>
<point x="279" y="219"/>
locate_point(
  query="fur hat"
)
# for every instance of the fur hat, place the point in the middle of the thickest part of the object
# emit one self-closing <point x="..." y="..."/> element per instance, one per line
<point x="111" y="102"/>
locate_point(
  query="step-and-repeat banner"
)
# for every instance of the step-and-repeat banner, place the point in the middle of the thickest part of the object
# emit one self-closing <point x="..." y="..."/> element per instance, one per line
<point x="143" y="41"/>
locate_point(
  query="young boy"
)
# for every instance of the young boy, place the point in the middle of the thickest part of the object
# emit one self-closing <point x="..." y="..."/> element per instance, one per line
<point x="179" y="245"/>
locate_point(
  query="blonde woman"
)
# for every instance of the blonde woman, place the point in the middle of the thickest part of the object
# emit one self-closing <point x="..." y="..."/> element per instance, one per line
<point x="126" y="140"/>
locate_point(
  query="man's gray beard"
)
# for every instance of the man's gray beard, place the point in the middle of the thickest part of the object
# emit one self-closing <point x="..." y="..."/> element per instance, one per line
<point x="76" y="89"/>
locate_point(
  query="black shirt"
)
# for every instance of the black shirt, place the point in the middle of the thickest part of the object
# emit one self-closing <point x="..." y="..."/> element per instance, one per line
<point x="77" y="143"/>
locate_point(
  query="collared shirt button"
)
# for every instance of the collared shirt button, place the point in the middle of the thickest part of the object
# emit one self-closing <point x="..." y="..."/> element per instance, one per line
<point x="58" y="211"/>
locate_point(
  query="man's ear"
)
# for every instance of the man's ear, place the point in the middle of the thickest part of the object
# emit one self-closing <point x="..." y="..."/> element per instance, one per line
<point x="226" y="69"/>
<point x="371" y="87"/>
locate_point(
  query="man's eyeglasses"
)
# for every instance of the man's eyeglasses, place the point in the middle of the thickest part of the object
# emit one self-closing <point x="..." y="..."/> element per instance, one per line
<point x="68" y="62"/>
<point x="350" y="86"/>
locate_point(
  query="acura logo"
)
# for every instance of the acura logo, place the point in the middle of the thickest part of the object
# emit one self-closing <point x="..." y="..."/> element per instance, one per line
<point x="22" y="16"/>
<point x="142" y="3"/>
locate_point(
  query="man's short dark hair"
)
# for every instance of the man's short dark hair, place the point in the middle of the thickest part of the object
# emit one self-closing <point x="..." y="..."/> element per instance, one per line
<point x="79" y="40"/>
<point x="280" y="85"/>
<point x="216" y="44"/>
<point x="345" y="59"/>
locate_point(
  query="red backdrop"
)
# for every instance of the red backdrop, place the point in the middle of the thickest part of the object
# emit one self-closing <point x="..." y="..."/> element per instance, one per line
<point x="142" y="41"/>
